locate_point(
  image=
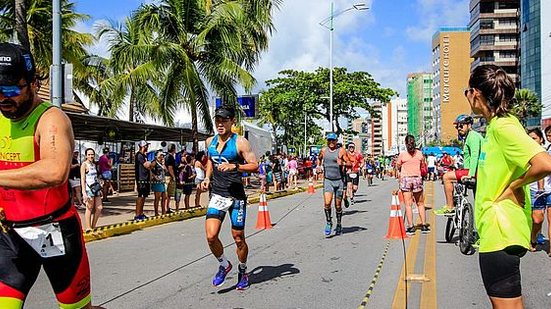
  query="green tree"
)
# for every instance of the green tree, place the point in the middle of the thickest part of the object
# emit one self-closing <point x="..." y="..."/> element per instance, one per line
<point x="293" y="92"/>
<point x="38" y="17"/>
<point x="202" y="44"/>
<point x="129" y="74"/>
<point x="526" y="105"/>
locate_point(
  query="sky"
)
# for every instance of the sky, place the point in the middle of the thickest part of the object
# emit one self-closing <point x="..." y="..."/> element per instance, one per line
<point x="390" y="40"/>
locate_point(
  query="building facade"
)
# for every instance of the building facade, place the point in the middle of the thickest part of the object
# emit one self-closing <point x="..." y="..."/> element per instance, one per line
<point x="394" y="126"/>
<point x="451" y="71"/>
<point x="494" y="36"/>
<point x="535" y="31"/>
<point x="420" y="109"/>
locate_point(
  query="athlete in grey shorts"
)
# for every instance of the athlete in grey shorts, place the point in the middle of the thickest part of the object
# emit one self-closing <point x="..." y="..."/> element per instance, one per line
<point x="331" y="160"/>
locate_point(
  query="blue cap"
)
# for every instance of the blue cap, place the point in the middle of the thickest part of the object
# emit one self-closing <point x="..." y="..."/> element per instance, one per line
<point x="331" y="135"/>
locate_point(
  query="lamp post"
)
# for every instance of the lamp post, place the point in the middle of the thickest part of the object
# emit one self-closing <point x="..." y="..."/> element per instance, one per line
<point x="328" y="23"/>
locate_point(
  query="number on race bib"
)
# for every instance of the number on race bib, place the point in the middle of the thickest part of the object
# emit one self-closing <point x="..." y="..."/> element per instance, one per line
<point x="46" y="240"/>
<point x="220" y="202"/>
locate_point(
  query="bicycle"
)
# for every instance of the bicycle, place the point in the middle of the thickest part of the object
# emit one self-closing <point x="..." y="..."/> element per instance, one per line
<point x="462" y="219"/>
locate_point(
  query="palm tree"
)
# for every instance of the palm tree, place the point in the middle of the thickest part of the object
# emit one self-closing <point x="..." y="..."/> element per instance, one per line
<point x="526" y="105"/>
<point x="133" y="75"/>
<point x="38" y="16"/>
<point x="201" y="44"/>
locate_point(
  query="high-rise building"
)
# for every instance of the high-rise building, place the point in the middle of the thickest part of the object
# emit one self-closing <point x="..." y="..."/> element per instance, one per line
<point x="535" y="38"/>
<point x="394" y="125"/>
<point x="451" y="71"/>
<point x="494" y="38"/>
<point x="420" y="115"/>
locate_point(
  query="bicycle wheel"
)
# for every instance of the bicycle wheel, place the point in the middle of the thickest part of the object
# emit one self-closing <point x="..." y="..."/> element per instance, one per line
<point x="450" y="229"/>
<point x="466" y="237"/>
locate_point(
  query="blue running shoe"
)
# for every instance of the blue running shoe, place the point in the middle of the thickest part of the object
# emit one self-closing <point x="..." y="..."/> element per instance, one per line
<point x="243" y="281"/>
<point x="541" y="239"/>
<point x="338" y="229"/>
<point x="220" y="276"/>
<point x="328" y="228"/>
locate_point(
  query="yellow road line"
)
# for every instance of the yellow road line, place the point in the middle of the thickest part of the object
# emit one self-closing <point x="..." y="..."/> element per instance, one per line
<point x="400" y="292"/>
<point x="428" y="291"/>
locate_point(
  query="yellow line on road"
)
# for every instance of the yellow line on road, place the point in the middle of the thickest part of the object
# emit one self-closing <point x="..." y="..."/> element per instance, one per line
<point x="400" y="292"/>
<point x="428" y="291"/>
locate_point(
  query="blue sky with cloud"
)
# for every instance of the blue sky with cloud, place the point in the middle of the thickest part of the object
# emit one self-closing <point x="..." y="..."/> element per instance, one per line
<point x="390" y="40"/>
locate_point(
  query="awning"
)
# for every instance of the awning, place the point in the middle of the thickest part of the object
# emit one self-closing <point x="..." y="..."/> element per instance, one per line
<point x="95" y="128"/>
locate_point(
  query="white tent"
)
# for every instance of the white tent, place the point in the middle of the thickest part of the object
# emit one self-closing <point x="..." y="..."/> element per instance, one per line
<point x="260" y="139"/>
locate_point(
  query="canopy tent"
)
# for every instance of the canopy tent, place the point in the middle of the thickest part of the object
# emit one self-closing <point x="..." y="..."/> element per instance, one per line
<point x="259" y="138"/>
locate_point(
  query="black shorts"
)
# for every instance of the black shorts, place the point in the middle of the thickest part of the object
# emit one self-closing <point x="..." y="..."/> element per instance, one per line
<point x="143" y="189"/>
<point x="501" y="272"/>
<point x="354" y="181"/>
<point x="187" y="189"/>
<point x="69" y="274"/>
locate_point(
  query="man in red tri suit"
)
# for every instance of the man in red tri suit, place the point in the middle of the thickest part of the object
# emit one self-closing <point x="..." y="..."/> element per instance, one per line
<point x="39" y="226"/>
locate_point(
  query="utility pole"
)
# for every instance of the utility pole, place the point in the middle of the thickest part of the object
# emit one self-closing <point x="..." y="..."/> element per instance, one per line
<point x="56" y="85"/>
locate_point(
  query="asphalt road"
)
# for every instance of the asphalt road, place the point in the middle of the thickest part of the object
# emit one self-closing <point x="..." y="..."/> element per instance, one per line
<point x="294" y="265"/>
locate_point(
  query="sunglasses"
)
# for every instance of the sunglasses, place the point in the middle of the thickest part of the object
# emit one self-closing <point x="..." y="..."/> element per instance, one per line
<point x="459" y="125"/>
<point x="12" y="91"/>
<point x="467" y="90"/>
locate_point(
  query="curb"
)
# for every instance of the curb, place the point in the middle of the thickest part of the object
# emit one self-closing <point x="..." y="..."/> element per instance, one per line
<point x="128" y="227"/>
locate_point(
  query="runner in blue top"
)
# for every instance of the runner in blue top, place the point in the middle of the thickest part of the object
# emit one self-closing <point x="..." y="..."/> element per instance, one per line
<point x="230" y="156"/>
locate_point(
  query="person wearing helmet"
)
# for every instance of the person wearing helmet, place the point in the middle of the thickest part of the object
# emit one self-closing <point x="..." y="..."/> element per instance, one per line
<point x="354" y="162"/>
<point x="330" y="161"/>
<point x="471" y="151"/>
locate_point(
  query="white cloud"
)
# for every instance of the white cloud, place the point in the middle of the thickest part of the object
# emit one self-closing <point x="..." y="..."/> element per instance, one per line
<point x="436" y="13"/>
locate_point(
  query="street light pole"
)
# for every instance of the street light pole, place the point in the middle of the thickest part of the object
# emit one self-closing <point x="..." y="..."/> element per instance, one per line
<point x="57" y="70"/>
<point x="324" y="23"/>
<point x="331" y="28"/>
<point x="304" y="133"/>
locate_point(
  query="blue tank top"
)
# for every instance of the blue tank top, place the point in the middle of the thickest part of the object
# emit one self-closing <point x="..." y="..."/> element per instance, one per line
<point x="226" y="184"/>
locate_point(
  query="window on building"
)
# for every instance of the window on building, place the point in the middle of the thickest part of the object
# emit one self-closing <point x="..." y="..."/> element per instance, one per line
<point x="487" y="39"/>
<point x="486" y="7"/>
<point x="486" y="24"/>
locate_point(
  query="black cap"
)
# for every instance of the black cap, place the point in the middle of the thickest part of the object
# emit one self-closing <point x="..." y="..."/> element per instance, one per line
<point x="224" y="111"/>
<point x="15" y="63"/>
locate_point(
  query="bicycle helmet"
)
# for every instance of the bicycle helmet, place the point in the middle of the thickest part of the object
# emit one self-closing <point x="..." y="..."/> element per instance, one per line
<point x="331" y="136"/>
<point x="463" y="118"/>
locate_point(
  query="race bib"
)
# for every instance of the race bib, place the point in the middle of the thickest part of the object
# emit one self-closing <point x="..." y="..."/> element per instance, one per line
<point x="46" y="239"/>
<point x="220" y="202"/>
<point x="353" y="175"/>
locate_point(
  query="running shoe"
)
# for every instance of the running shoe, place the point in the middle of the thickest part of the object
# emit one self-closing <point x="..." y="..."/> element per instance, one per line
<point x="220" y="276"/>
<point x="242" y="281"/>
<point x="540" y="239"/>
<point x="338" y="229"/>
<point x="444" y="211"/>
<point x="346" y="203"/>
<point x="425" y="229"/>
<point x="140" y="217"/>
<point x="328" y="228"/>
<point x="410" y="231"/>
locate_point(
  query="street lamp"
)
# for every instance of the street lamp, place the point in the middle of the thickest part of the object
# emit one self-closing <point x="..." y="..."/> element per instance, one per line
<point x="328" y="23"/>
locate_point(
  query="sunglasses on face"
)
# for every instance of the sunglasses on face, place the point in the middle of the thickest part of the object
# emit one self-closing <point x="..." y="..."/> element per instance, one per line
<point x="459" y="125"/>
<point x="12" y="91"/>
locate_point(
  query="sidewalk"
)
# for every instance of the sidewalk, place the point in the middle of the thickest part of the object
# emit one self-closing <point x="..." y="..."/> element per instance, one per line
<point x="122" y="206"/>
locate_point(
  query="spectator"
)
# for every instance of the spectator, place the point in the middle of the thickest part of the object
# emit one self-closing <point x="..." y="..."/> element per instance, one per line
<point x="293" y="172"/>
<point x="186" y="178"/>
<point x="105" y="165"/>
<point x="91" y="189"/>
<point x="431" y="166"/>
<point x="141" y="168"/>
<point x="199" y="176"/>
<point x="170" y="178"/>
<point x="277" y="172"/>
<point x="158" y="173"/>
<point x="74" y="180"/>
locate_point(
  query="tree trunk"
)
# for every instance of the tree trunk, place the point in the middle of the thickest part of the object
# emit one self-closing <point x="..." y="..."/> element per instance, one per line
<point x="194" y="129"/>
<point x="21" y="24"/>
<point x="131" y="107"/>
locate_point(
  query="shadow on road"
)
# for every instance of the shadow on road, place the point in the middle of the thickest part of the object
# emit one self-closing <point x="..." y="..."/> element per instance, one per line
<point x="361" y="201"/>
<point x="351" y="212"/>
<point x="266" y="273"/>
<point x="349" y="229"/>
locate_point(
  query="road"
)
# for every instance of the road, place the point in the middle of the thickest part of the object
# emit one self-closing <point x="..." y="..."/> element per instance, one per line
<point x="294" y="265"/>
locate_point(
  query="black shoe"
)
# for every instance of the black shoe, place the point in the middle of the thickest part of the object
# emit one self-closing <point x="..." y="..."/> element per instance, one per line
<point x="410" y="231"/>
<point x="346" y="203"/>
<point x="425" y="229"/>
<point x="169" y="211"/>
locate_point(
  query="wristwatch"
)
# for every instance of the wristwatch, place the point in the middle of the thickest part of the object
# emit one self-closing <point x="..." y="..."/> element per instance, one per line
<point x="236" y="166"/>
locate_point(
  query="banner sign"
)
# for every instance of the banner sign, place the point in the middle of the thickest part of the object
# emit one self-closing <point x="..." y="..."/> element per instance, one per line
<point x="247" y="103"/>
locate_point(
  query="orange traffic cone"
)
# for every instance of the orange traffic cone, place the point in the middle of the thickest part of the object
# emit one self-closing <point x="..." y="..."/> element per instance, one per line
<point x="396" y="228"/>
<point x="263" y="220"/>
<point x="311" y="189"/>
